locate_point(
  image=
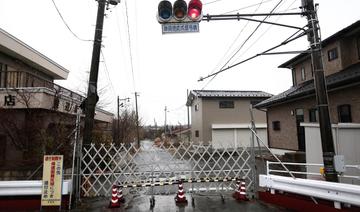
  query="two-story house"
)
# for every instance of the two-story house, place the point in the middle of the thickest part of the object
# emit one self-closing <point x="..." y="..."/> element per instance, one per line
<point x="36" y="115"/>
<point x="222" y="118"/>
<point x="288" y="111"/>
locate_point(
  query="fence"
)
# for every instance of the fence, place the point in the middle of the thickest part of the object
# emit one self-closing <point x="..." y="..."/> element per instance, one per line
<point x="125" y="165"/>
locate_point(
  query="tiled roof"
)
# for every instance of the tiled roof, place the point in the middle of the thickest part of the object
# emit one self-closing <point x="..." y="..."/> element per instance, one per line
<point x="225" y="93"/>
<point x="345" y="77"/>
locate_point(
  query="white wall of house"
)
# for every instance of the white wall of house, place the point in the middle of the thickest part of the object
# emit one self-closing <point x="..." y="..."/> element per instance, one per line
<point x="236" y="135"/>
<point x="346" y="142"/>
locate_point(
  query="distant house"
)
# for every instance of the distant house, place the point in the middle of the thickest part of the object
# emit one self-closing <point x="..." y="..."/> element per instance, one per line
<point x="36" y="115"/>
<point x="292" y="110"/>
<point x="222" y="118"/>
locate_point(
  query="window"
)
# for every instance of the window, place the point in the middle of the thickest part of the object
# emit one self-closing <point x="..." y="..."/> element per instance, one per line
<point x="344" y="113"/>
<point x="197" y="133"/>
<point x="226" y="104"/>
<point x="276" y="125"/>
<point x="332" y="54"/>
<point x="313" y="115"/>
<point x="303" y="75"/>
<point x="196" y="107"/>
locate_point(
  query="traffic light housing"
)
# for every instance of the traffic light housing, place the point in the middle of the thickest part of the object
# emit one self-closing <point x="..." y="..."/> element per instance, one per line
<point x="180" y="12"/>
<point x="164" y="11"/>
<point x="195" y="10"/>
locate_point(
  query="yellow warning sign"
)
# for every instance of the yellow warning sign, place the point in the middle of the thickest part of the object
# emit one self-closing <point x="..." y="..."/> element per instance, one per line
<point x="52" y="180"/>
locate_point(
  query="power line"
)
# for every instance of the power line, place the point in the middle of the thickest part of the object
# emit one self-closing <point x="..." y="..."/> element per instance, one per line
<point x="242" y="45"/>
<point x="251" y="45"/>
<point x="107" y="72"/>
<point x="211" y="2"/>
<point x="67" y="26"/>
<point x="246" y="7"/>
<point x="131" y="58"/>
<point x="259" y="54"/>
<point x="233" y="43"/>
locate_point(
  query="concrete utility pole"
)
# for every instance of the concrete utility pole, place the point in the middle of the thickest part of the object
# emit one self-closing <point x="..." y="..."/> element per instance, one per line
<point x="320" y="91"/>
<point x="137" y="121"/>
<point x="92" y="97"/>
<point x="165" y="122"/>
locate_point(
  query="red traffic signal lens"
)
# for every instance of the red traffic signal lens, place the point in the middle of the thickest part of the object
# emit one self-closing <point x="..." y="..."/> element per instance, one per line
<point x="180" y="9"/>
<point x="194" y="11"/>
<point x="165" y="10"/>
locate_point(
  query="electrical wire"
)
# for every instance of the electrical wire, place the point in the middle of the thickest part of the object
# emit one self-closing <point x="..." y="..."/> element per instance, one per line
<point x="259" y="54"/>
<point x="251" y="45"/>
<point x="211" y="2"/>
<point x="242" y="45"/>
<point x="233" y="43"/>
<point x="246" y="7"/>
<point x="67" y="26"/>
<point x="129" y="38"/>
<point x="107" y="72"/>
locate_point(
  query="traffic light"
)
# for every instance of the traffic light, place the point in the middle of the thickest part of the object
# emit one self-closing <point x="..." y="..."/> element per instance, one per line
<point x="164" y="11"/>
<point x="180" y="12"/>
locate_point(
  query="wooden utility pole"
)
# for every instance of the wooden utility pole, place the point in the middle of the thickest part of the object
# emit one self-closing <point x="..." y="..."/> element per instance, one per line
<point x="92" y="97"/>
<point x="320" y="91"/>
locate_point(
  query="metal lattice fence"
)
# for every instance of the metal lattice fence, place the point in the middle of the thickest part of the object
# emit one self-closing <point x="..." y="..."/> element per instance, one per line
<point x="105" y="165"/>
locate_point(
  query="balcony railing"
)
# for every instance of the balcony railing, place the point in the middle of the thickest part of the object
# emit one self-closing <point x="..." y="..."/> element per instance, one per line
<point x="20" y="79"/>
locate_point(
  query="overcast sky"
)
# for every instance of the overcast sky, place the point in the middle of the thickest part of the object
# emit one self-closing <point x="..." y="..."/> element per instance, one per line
<point x="138" y="57"/>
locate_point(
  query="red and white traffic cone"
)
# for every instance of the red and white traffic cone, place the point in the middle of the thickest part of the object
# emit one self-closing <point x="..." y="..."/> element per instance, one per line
<point x="120" y="196"/>
<point x="236" y="194"/>
<point x="114" y="202"/>
<point x="180" y="197"/>
<point x="242" y="193"/>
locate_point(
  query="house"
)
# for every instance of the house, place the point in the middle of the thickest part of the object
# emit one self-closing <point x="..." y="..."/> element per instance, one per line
<point x="36" y="115"/>
<point x="293" y="112"/>
<point x="223" y="117"/>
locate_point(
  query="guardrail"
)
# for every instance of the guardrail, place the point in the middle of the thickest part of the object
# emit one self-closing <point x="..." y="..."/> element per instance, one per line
<point x="28" y="187"/>
<point x="336" y="192"/>
<point x="269" y="170"/>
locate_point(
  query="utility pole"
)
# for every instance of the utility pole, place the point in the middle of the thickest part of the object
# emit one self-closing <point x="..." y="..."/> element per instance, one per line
<point x="118" y="121"/>
<point x="137" y="121"/>
<point x="92" y="97"/>
<point x="188" y="115"/>
<point x="165" y="122"/>
<point x="320" y="91"/>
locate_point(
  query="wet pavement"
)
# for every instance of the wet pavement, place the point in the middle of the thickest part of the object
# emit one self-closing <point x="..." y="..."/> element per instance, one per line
<point x="203" y="202"/>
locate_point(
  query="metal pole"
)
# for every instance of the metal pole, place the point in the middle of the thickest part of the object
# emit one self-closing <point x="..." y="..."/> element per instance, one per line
<point x="137" y="121"/>
<point x="74" y="165"/>
<point x="92" y="97"/>
<point x="188" y="115"/>
<point x="118" y="121"/>
<point x="320" y="91"/>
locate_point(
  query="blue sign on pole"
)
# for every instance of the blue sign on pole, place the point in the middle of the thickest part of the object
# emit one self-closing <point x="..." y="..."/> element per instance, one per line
<point x="180" y="27"/>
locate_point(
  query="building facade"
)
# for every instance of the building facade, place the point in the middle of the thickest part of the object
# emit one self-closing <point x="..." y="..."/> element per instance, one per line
<point x="36" y="115"/>
<point x="223" y="117"/>
<point x="287" y="110"/>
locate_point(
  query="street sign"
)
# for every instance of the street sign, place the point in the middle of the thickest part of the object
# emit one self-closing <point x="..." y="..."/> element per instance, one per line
<point x="182" y="27"/>
<point x="52" y="180"/>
